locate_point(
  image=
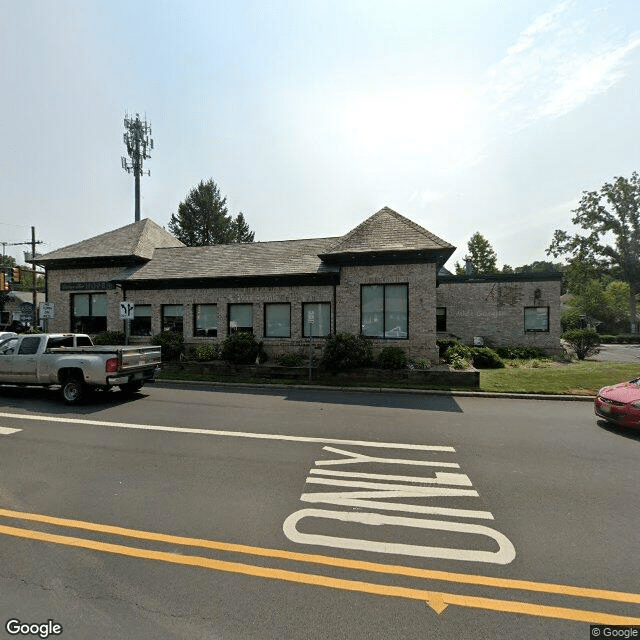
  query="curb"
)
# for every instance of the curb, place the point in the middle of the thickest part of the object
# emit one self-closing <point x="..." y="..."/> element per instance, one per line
<point x="423" y="392"/>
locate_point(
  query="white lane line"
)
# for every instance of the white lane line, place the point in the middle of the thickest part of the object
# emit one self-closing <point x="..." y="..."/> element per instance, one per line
<point x="231" y="434"/>
<point x="5" y="431"/>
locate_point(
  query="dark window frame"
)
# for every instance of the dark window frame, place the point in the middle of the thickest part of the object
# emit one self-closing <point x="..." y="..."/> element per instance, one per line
<point x="384" y="285"/>
<point x="88" y="324"/>
<point x="441" y="326"/>
<point x="535" y="330"/>
<point x="134" y="329"/>
<point x="305" y="326"/>
<point x="264" y="317"/>
<point x="239" y="304"/>
<point x="162" y="318"/>
<point x="211" y="332"/>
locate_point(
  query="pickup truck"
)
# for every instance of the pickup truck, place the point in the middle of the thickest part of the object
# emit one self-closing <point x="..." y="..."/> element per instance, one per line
<point x="73" y="362"/>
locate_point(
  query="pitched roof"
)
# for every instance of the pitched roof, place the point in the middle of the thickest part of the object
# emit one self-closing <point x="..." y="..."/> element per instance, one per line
<point x="386" y="230"/>
<point x="137" y="240"/>
<point x="286" y="257"/>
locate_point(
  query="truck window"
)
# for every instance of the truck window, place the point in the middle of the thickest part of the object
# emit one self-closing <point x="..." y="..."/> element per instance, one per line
<point x="7" y="347"/>
<point x="60" y="341"/>
<point x="29" y="345"/>
<point x="84" y="341"/>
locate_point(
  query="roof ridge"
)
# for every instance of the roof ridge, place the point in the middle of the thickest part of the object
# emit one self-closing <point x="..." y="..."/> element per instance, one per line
<point x="142" y="228"/>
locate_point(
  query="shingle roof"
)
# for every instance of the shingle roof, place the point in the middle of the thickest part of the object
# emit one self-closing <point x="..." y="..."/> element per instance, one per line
<point x="136" y="240"/>
<point x="387" y="230"/>
<point x="287" y="257"/>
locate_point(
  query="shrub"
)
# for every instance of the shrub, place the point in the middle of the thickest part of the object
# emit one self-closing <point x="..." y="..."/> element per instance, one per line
<point x="420" y="363"/>
<point x="290" y="360"/>
<point x="519" y="352"/>
<point x="457" y="349"/>
<point x="392" y="358"/>
<point x="171" y="342"/>
<point x="242" y="347"/>
<point x="109" y="337"/>
<point x="444" y="344"/>
<point x="205" y="352"/>
<point x="585" y="342"/>
<point x="458" y="362"/>
<point x="346" y="351"/>
<point x="485" y="358"/>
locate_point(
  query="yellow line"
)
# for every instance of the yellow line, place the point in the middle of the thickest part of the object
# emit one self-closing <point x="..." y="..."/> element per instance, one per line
<point x="361" y="565"/>
<point x="507" y="606"/>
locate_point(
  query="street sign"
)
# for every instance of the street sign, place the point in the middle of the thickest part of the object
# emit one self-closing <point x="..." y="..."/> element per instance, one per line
<point x="127" y="310"/>
<point x="26" y="312"/>
<point x="46" y="310"/>
<point x="311" y="316"/>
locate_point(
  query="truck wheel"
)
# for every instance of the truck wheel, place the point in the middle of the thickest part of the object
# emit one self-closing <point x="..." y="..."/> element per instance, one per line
<point x="73" y="390"/>
<point x="131" y="387"/>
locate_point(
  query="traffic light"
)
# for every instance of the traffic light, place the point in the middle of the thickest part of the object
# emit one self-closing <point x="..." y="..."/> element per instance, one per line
<point x="16" y="274"/>
<point x="4" y="285"/>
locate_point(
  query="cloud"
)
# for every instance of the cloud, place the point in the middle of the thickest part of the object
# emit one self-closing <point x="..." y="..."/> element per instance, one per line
<point x="559" y="62"/>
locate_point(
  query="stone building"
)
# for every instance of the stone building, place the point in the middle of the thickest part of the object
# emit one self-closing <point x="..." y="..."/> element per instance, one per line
<point x="380" y="280"/>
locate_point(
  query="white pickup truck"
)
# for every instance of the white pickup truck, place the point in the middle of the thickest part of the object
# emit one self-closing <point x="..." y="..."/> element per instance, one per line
<point x="73" y="362"/>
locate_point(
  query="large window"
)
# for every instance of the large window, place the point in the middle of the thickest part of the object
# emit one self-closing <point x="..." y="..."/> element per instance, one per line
<point x="441" y="318"/>
<point x="536" y="318"/>
<point x="240" y="318"/>
<point x="89" y="313"/>
<point x="320" y="313"/>
<point x="141" y="323"/>
<point x="277" y="320"/>
<point x="173" y="317"/>
<point x="205" y="320"/>
<point x="384" y="311"/>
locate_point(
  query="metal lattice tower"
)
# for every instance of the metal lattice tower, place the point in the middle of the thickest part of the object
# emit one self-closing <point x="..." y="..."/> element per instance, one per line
<point x="138" y="143"/>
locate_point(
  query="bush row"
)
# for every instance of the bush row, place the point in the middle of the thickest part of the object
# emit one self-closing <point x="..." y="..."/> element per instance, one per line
<point x="622" y="338"/>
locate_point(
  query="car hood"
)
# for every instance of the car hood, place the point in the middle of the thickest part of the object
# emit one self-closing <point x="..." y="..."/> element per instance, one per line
<point x="624" y="392"/>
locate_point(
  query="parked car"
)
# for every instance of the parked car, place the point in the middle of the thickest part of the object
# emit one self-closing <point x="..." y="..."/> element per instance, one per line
<point x="7" y="334"/>
<point x="620" y="403"/>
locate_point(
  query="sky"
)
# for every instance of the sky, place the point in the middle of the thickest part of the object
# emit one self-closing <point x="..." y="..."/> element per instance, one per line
<point x="464" y="116"/>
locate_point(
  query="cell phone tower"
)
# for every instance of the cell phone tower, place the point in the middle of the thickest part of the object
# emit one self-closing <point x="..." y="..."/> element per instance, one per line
<point x="138" y="142"/>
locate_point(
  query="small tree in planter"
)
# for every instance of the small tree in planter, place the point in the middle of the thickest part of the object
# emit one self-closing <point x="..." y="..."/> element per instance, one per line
<point x="585" y="342"/>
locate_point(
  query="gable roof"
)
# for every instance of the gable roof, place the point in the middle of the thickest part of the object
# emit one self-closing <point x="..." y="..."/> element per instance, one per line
<point x="386" y="231"/>
<point x="134" y="242"/>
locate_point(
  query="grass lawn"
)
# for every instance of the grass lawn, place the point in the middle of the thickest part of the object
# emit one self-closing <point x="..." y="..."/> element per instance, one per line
<point x="582" y="378"/>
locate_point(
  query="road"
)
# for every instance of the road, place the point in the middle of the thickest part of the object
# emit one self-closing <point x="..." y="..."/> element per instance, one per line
<point x="200" y="513"/>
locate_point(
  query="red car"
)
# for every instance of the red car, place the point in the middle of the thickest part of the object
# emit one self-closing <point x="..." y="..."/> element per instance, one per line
<point x="620" y="403"/>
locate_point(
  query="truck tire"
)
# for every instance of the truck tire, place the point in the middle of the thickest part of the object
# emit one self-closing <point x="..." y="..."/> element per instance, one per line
<point x="131" y="387"/>
<point x="73" y="390"/>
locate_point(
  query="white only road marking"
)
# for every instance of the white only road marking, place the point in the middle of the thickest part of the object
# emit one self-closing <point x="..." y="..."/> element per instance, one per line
<point x="232" y="434"/>
<point x="5" y="431"/>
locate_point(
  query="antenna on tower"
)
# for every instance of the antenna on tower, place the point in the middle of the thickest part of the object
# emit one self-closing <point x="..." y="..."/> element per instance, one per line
<point x="138" y="142"/>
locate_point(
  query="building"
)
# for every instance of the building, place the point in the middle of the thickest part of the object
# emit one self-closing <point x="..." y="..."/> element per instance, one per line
<point x="382" y="280"/>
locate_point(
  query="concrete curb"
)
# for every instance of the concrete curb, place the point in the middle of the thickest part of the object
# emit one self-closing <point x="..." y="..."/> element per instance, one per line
<point x="424" y="392"/>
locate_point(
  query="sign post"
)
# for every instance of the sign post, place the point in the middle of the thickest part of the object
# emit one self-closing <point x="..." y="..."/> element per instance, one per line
<point x="311" y="318"/>
<point x="127" y="313"/>
<point x="46" y="313"/>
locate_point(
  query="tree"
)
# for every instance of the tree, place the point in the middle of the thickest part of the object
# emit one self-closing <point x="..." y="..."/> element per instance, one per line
<point x="482" y="254"/>
<point x="203" y="219"/>
<point x="610" y="219"/>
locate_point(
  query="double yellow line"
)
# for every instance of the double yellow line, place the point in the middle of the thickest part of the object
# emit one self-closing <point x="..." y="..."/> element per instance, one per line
<point x="438" y="600"/>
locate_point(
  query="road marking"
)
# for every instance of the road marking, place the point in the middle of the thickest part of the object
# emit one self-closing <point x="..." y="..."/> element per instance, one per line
<point x="435" y="599"/>
<point x="345" y="563"/>
<point x="232" y="434"/>
<point x="5" y="431"/>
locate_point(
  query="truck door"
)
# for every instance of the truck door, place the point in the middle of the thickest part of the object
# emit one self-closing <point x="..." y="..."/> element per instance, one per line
<point x="25" y="363"/>
<point x="8" y="350"/>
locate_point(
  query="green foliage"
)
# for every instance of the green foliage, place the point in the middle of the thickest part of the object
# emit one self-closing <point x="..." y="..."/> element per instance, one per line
<point x="519" y="352"/>
<point x="345" y="351"/>
<point x="420" y="363"/>
<point x="482" y="254"/>
<point x="203" y="219"/>
<point x="290" y="360"/>
<point x="171" y="342"/>
<point x="486" y="358"/>
<point x="458" y="362"/>
<point x="458" y="350"/>
<point x="623" y="338"/>
<point x="242" y="347"/>
<point x="392" y="358"/>
<point x="443" y="344"/>
<point x="585" y="342"/>
<point x="205" y="352"/>
<point x="571" y="319"/>
<point x="109" y="337"/>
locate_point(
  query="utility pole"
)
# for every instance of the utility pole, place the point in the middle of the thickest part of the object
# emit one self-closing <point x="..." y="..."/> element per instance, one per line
<point x="34" y="289"/>
<point x="138" y="142"/>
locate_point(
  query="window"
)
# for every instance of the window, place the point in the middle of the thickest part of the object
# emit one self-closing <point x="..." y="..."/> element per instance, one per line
<point x="205" y="320"/>
<point x="172" y="317"/>
<point x="320" y="312"/>
<point x="29" y="345"/>
<point x="89" y="313"/>
<point x="536" y="318"/>
<point x="277" y="320"/>
<point x="384" y="310"/>
<point x="141" y="323"/>
<point x="441" y="318"/>
<point x="241" y="317"/>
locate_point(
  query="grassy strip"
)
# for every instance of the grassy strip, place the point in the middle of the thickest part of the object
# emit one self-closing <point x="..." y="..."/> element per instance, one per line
<point x="582" y="378"/>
